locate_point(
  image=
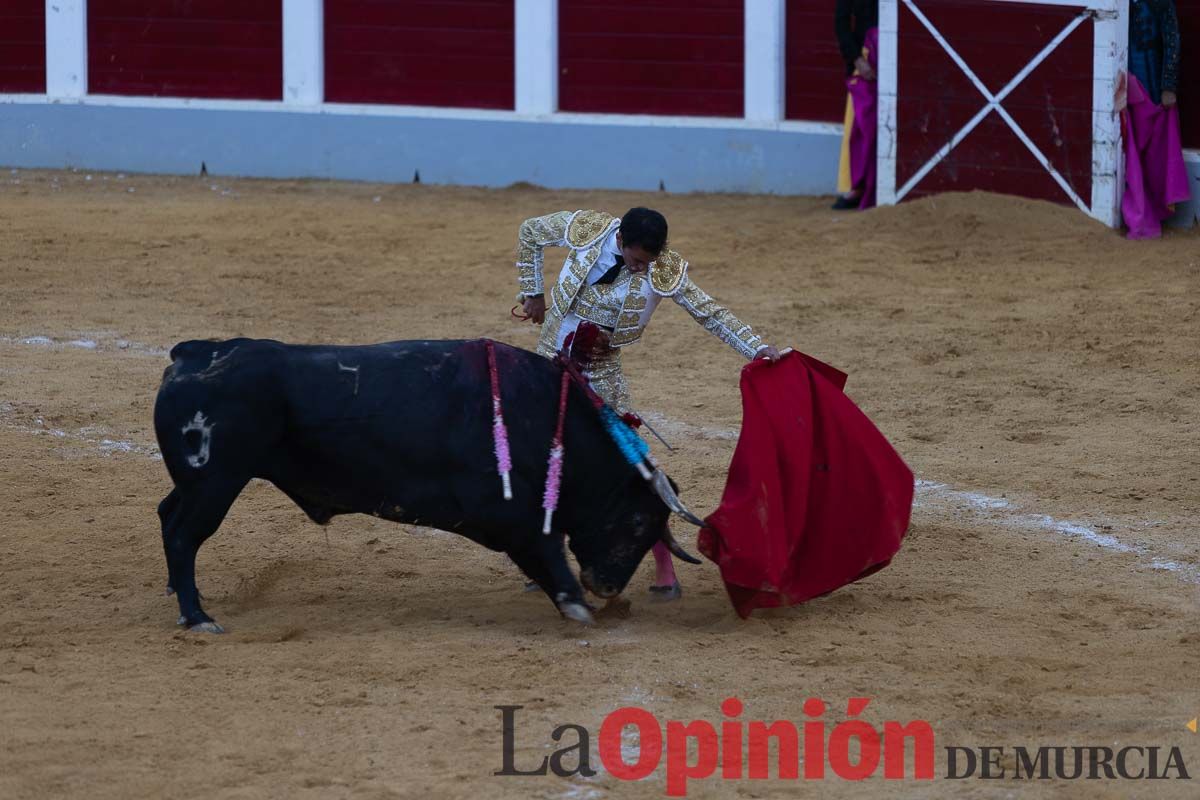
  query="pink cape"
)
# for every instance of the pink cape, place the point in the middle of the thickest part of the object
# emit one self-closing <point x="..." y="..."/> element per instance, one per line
<point x="1155" y="175"/>
<point x="816" y="498"/>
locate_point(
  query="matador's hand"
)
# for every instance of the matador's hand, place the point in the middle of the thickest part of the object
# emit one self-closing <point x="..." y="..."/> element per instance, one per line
<point x="769" y="353"/>
<point x="535" y="309"/>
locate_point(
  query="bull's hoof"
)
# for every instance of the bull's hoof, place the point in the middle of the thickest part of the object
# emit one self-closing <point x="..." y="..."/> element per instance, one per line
<point x="532" y="586"/>
<point x="577" y="612"/>
<point x="170" y="591"/>
<point x="665" y="594"/>
<point x="206" y="627"/>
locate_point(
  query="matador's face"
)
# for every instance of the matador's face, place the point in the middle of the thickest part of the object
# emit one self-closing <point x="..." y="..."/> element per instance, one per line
<point x="637" y="258"/>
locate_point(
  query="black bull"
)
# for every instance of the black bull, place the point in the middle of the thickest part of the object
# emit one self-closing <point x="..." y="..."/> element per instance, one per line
<point x="402" y="431"/>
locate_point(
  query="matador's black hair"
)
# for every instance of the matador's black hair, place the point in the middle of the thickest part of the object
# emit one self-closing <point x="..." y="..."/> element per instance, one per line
<point x="645" y="228"/>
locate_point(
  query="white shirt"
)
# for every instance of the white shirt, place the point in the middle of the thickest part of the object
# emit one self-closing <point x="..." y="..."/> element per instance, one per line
<point x="607" y="259"/>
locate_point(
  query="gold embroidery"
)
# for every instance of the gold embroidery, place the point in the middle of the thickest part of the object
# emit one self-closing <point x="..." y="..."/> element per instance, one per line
<point x="629" y="325"/>
<point x="607" y="378"/>
<point x="666" y="273"/>
<point x="548" y="341"/>
<point x="604" y="372"/>
<point x="587" y="227"/>
<point x="570" y="287"/>
<point x="717" y="320"/>
<point x="625" y="336"/>
<point x="599" y="304"/>
<point x="635" y="302"/>
<point x="573" y="274"/>
<point x="559" y="300"/>
<point x="534" y="235"/>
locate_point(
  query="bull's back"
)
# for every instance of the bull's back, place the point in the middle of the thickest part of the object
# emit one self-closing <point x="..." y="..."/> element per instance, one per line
<point x="414" y="405"/>
<point x="349" y="406"/>
<point x="402" y="430"/>
<point x="348" y="416"/>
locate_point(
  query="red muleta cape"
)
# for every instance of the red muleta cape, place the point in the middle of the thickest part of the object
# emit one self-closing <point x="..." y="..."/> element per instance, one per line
<point x="816" y="497"/>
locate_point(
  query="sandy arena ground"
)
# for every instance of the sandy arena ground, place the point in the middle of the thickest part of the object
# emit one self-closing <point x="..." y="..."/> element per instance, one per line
<point x="1038" y="372"/>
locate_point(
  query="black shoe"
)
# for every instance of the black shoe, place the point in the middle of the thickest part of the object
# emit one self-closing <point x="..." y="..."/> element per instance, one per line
<point x="662" y="594"/>
<point x="844" y="203"/>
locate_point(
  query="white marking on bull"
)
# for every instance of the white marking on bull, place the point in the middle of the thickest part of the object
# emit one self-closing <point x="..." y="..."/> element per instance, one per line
<point x="199" y="423"/>
<point x="343" y="368"/>
<point x="217" y="358"/>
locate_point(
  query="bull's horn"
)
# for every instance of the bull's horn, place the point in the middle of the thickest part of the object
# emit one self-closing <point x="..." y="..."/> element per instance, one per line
<point x="662" y="486"/>
<point x="676" y="548"/>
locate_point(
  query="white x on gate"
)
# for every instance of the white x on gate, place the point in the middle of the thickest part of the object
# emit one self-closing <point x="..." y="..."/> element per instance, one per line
<point x="1110" y="17"/>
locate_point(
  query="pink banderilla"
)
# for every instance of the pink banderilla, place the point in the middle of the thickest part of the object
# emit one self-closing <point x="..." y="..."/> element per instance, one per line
<point x="554" y="474"/>
<point x="499" y="431"/>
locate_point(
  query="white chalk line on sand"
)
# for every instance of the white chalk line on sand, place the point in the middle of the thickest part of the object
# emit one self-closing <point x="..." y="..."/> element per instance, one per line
<point x="984" y="508"/>
<point x="1002" y="512"/>
<point x="86" y="436"/>
<point x="101" y="343"/>
<point x="996" y="511"/>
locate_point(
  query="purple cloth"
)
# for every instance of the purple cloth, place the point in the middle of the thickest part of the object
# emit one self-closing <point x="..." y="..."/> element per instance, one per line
<point x="862" y="137"/>
<point x="1155" y="175"/>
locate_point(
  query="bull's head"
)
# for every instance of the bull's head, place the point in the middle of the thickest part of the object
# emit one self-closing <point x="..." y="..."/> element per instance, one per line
<point x="638" y="520"/>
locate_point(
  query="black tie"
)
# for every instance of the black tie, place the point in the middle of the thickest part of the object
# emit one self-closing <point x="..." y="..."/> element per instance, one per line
<point x="611" y="275"/>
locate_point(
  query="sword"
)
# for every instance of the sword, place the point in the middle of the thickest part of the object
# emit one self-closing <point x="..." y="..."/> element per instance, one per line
<point x="650" y="428"/>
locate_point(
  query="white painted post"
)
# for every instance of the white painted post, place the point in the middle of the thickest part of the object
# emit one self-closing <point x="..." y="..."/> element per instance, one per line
<point x="885" y="136"/>
<point x="303" y="52"/>
<point x="66" y="48"/>
<point x="765" y="59"/>
<point x="536" y="35"/>
<point x="1109" y="63"/>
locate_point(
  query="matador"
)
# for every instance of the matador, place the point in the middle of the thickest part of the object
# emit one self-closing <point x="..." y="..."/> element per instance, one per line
<point x="617" y="272"/>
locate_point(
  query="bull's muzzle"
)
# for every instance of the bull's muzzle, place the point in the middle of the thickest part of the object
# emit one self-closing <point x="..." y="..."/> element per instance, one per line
<point x="587" y="578"/>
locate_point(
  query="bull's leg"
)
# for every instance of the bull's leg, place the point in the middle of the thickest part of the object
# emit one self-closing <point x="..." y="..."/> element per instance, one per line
<point x="546" y="563"/>
<point x="166" y="511"/>
<point x="199" y="512"/>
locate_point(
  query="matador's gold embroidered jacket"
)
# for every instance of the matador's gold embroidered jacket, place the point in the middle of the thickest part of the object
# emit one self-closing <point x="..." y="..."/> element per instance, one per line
<point x="626" y="306"/>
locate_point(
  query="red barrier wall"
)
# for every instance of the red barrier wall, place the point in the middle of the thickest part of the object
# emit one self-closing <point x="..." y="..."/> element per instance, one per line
<point x="651" y="56"/>
<point x="186" y="48"/>
<point x="23" y="46"/>
<point x="1053" y="105"/>
<point x="414" y="52"/>
<point x="815" y="87"/>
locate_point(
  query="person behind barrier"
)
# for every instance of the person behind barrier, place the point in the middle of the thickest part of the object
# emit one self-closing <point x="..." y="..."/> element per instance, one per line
<point x="1155" y="174"/>
<point x="852" y="21"/>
